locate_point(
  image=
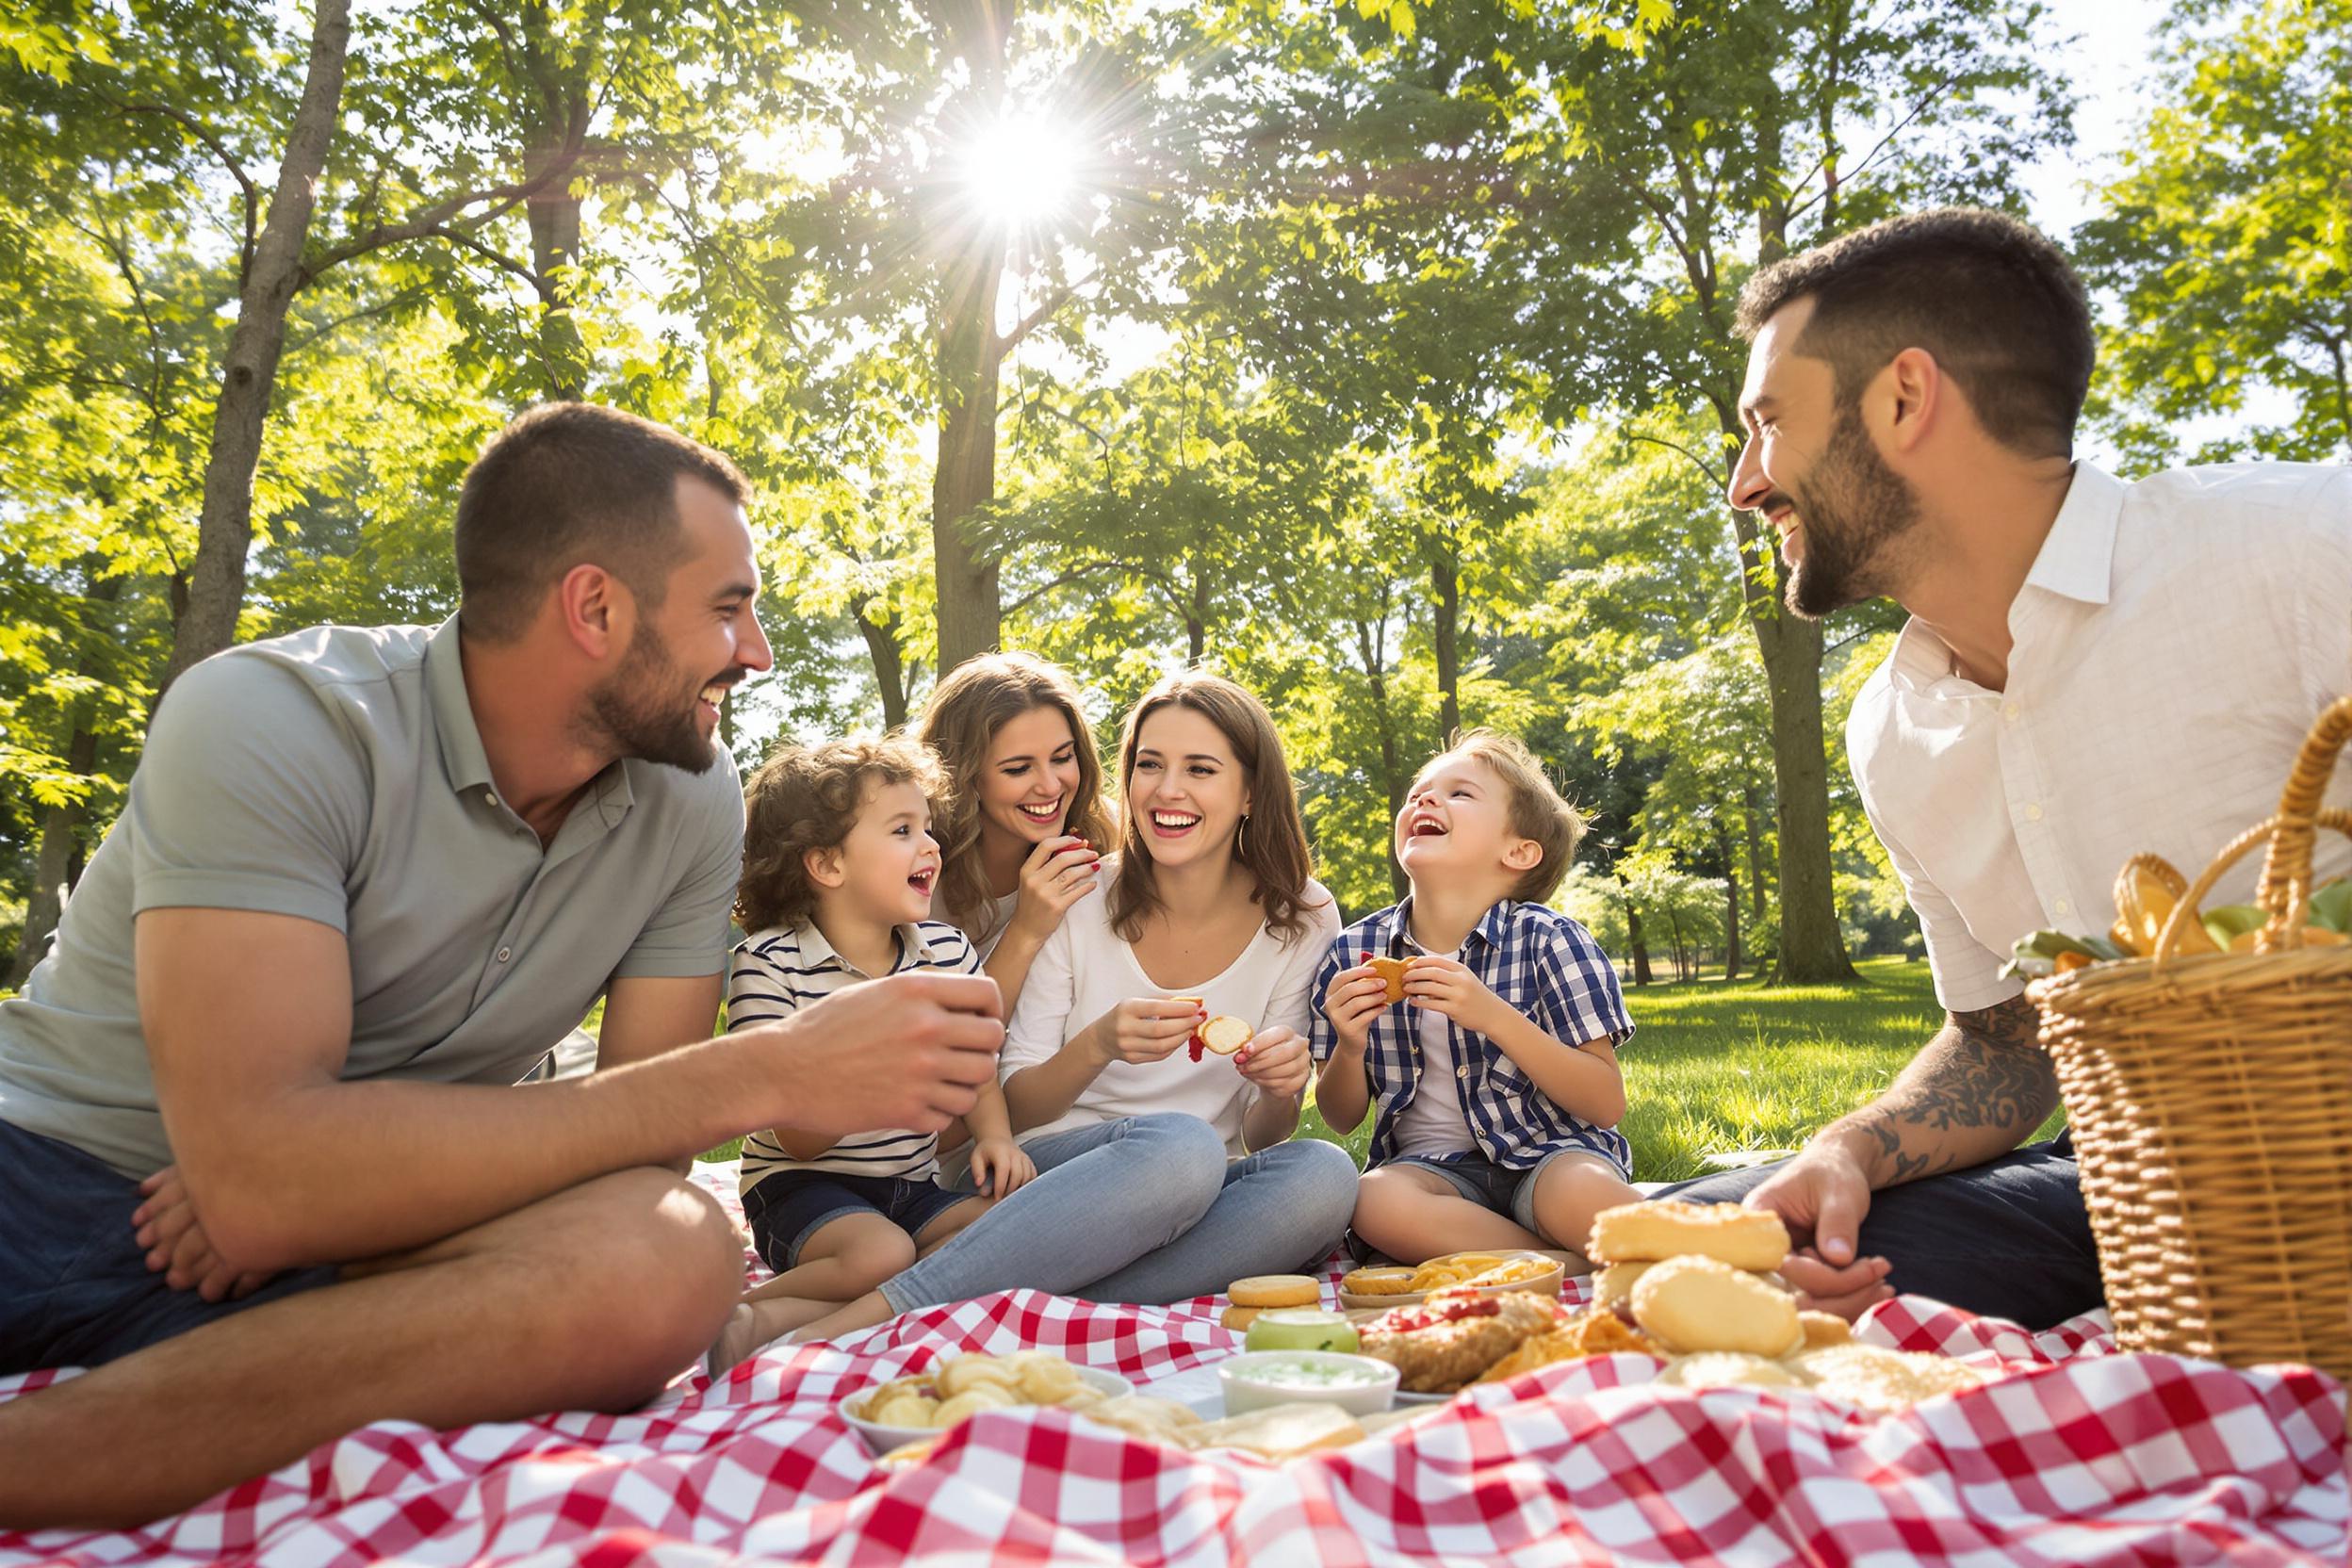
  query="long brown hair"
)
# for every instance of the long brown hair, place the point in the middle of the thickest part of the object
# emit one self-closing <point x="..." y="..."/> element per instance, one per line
<point x="1272" y="845"/>
<point x="969" y="705"/>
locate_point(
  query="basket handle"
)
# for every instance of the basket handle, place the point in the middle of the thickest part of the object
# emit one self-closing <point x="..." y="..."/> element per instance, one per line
<point x="2287" y="867"/>
<point x="2279" y="933"/>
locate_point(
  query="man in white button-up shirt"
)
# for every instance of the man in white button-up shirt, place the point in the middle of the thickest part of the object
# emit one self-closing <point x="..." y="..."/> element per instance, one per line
<point x="2092" y="669"/>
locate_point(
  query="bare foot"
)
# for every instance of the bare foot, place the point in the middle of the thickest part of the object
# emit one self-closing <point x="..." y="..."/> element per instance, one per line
<point x="757" y="1323"/>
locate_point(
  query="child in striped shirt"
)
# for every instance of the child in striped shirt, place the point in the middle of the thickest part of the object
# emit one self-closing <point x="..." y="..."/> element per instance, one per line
<point x="838" y="868"/>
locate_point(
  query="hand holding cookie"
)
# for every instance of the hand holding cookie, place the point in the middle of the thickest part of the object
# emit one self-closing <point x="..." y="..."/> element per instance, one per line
<point x="1446" y="985"/>
<point x="1353" y="999"/>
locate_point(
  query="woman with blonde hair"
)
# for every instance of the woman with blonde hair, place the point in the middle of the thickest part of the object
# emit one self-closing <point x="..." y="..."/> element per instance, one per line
<point x="1023" y="824"/>
<point x="1163" y="1177"/>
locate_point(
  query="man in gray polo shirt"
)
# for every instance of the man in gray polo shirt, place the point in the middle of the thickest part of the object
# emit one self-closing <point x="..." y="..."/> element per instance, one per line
<point x="262" y="1164"/>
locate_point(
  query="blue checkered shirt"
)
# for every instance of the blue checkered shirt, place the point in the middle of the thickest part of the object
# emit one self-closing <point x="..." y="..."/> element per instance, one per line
<point x="1542" y="963"/>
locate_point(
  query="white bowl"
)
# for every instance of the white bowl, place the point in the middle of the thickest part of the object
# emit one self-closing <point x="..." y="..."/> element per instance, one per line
<point x="1250" y="1383"/>
<point x="882" y="1439"/>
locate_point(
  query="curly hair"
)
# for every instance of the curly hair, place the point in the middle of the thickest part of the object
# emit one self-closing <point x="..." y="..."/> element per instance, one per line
<point x="969" y="705"/>
<point x="806" y="798"/>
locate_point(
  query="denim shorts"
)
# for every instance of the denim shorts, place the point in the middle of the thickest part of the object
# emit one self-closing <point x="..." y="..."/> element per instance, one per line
<point x="787" y="1208"/>
<point x="75" y="1289"/>
<point x="1491" y="1186"/>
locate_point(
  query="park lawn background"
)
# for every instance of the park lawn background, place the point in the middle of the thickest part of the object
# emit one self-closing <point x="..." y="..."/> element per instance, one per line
<point x="1716" y="1067"/>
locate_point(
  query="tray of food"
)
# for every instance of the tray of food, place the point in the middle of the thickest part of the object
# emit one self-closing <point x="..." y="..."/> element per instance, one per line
<point x="1484" y="1273"/>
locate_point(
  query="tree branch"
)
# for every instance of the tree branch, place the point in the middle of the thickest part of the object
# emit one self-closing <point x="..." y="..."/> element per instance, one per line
<point x="236" y="172"/>
<point x="999" y="346"/>
<point x="1714" y="477"/>
<point x="435" y="219"/>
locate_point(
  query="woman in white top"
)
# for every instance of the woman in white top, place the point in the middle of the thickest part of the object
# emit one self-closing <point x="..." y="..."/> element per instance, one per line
<point x="1023" y="824"/>
<point x="1161" y="1178"/>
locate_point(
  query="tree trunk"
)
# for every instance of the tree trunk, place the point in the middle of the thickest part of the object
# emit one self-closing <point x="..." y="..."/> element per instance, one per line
<point x="1752" y="815"/>
<point x="1731" y="901"/>
<point x="890" y="666"/>
<point x="969" y="353"/>
<point x="1446" y="632"/>
<point x="1196" y="618"/>
<point x="1374" y="657"/>
<point x="61" y="862"/>
<point x="45" y="903"/>
<point x="1812" y="945"/>
<point x="216" y="587"/>
<point x="554" y="213"/>
<point x="1633" y="935"/>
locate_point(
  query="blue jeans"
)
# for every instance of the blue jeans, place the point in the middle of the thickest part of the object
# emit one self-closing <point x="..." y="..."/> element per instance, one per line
<point x="2009" y="1238"/>
<point x="1146" y="1209"/>
<point x="75" y="1289"/>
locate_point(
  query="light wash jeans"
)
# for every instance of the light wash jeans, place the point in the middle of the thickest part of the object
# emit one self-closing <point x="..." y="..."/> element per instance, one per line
<point x="1145" y="1209"/>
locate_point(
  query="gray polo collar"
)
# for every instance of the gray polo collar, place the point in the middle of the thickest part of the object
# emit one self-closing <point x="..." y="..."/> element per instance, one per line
<point x="464" y="761"/>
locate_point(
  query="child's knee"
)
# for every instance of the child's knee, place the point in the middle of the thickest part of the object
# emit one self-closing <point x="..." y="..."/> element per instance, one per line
<point x="1382" y="1195"/>
<point x="870" y="1253"/>
<point x="1569" y="1192"/>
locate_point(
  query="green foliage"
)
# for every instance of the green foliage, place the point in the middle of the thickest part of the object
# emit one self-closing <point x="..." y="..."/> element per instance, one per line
<point x="2228" y="240"/>
<point x="1382" y="358"/>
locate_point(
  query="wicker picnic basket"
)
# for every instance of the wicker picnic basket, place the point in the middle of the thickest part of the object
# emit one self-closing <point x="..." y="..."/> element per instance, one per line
<point x="2210" y="1099"/>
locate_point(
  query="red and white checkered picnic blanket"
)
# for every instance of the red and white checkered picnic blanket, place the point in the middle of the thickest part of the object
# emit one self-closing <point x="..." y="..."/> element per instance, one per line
<point x="2078" y="1456"/>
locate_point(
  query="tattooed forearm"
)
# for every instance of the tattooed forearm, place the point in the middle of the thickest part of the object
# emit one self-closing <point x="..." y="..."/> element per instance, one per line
<point x="1972" y="1094"/>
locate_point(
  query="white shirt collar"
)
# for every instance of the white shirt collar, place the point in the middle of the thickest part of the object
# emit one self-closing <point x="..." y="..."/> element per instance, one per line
<point x="2076" y="562"/>
<point x="2078" y="556"/>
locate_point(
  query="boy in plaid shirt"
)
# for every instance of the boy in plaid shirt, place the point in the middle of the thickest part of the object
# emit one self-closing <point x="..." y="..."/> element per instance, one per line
<point x="1493" y="1082"/>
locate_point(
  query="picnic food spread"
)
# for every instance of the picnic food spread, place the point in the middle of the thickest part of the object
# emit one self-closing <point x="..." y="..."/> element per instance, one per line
<point x="967" y="1384"/>
<point x="1302" y="1371"/>
<point x="1474" y="1270"/>
<point x="1721" y="1316"/>
<point x="1448" y="1342"/>
<point x="1301" y="1329"/>
<point x="1670" y="1228"/>
<point x="1255" y="1295"/>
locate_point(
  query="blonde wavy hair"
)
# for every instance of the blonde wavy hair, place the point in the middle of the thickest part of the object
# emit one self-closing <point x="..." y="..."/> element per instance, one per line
<point x="1273" y="841"/>
<point x="969" y="705"/>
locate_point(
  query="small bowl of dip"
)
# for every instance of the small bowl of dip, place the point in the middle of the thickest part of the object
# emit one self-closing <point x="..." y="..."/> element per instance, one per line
<point x="1361" y="1385"/>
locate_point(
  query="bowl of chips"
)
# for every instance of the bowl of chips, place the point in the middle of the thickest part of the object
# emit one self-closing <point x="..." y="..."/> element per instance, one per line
<point x="1487" y="1273"/>
<point x="923" y="1405"/>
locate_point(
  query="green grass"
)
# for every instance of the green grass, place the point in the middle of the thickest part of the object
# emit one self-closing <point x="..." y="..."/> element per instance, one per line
<point x="1715" y="1068"/>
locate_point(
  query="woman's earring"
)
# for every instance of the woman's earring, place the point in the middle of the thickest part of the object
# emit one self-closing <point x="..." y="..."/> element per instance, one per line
<point x="1241" y="834"/>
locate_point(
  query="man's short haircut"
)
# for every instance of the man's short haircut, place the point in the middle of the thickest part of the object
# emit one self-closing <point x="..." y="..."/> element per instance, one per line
<point x="568" y="484"/>
<point x="1537" y="809"/>
<point x="808" y="797"/>
<point x="1992" y="300"/>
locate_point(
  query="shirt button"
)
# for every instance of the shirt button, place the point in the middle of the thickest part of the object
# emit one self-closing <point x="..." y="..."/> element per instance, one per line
<point x="2061" y="907"/>
<point x="504" y="954"/>
<point x="490" y="796"/>
<point x="1462" y="1072"/>
<point x="2033" y="812"/>
<point x="2009" y="710"/>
